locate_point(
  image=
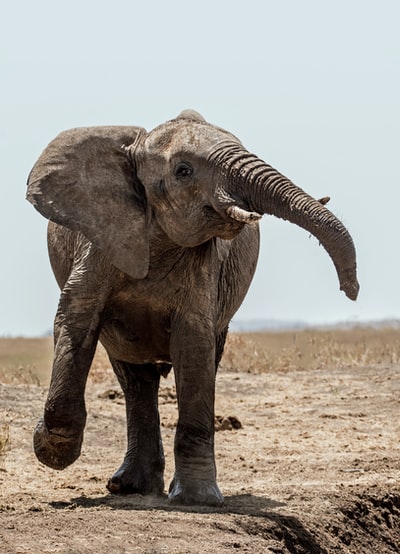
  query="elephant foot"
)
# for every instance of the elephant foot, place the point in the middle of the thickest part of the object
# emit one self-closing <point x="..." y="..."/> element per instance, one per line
<point x="55" y="449"/>
<point x="201" y="493"/>
<point x="131" y="479"/>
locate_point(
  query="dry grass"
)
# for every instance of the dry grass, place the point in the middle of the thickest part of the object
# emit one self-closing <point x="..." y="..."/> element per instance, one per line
<point x="311" y="349"/>
<point x="25" y="360"/>
<point x="29" y="360"/>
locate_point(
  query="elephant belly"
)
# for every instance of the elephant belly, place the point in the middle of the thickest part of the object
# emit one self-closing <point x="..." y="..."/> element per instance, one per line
<point x="141" y="337"/>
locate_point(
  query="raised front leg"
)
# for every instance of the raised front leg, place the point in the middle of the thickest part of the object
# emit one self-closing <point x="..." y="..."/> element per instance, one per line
<point x="194" y="361"/>
<point x="142" y="470"/>
<point x="58" y="436"/>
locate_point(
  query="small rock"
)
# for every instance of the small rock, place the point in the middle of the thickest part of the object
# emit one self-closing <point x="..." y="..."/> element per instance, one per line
<point x="223" y="423"/>
<point x="111" y="394"/>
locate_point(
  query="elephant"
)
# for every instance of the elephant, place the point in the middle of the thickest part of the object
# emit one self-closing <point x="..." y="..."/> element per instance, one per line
<point x="153" y="239"/>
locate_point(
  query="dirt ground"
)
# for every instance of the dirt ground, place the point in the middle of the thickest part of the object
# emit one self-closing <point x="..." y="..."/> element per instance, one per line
<point x="315" y="468"/>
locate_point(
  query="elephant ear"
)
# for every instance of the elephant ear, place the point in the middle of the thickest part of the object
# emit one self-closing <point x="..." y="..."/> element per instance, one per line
<point x="84" y="181"/>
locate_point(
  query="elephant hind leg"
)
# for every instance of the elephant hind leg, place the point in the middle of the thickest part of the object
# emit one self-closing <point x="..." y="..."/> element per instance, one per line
<point x="142" y="470"/>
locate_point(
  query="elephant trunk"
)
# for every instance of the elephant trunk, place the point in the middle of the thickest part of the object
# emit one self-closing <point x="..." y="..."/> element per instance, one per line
<point x="248" y="187"/>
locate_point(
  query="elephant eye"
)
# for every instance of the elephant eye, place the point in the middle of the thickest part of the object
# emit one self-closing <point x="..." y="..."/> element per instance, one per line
<point x="183" y="170"/>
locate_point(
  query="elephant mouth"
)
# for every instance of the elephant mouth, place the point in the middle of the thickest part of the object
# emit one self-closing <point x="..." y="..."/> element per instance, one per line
<point x="224" y="225"/>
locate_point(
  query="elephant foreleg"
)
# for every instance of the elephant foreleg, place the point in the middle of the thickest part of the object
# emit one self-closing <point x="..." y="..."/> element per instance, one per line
<point x="142" y="470"/>
<point x="59" y="434"/>
<point x="194" y="359"/>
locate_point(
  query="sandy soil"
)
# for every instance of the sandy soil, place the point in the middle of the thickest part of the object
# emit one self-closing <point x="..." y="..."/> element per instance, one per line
<point x="315" y="468"/>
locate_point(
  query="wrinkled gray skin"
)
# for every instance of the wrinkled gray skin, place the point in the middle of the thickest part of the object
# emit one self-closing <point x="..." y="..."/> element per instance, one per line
<point x="154" y="246"/>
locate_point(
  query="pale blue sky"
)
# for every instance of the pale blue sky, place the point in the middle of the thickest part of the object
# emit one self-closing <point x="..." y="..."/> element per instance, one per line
<point x="312" y="87"/>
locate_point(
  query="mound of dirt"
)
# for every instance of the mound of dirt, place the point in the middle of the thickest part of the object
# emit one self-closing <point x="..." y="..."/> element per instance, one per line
<point x="311" y="465"/>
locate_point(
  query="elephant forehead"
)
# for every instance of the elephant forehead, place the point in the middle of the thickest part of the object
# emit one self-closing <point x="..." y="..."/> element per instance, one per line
<point x="191" y="137"/>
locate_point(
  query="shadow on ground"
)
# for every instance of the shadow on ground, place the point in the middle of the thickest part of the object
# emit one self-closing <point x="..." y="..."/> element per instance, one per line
<point x="241" y="504"/>
<point x="364" y="523"/>
<point x="260" y="520"/>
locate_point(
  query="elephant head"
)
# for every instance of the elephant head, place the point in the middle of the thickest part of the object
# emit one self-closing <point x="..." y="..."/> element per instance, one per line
<point x="195" y="180"/>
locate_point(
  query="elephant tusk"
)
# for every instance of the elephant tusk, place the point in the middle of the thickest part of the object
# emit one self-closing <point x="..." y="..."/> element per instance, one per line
<point x="241" y="215"/>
